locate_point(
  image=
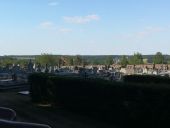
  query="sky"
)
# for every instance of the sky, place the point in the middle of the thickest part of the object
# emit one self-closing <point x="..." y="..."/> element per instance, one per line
<point x="84" y="27"/>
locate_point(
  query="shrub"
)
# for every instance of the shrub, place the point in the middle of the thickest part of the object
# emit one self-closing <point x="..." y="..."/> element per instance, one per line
<point x="146" y="79"/>
<point x="106" y="100"/>
<point x="39" y="90"/>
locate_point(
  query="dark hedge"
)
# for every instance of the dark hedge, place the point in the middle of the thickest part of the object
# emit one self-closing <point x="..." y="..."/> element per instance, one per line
<point x="147" y="79"/>
<point x="125" y="104"/>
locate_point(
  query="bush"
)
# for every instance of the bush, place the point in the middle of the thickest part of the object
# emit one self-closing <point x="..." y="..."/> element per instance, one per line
<point x="146" y="79"/>
<point x="39" y="90"/>
<point x="106" y="100"/>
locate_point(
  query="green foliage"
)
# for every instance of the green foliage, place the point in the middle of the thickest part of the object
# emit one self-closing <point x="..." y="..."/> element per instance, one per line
<point x="158" y="58"/>
<point x="78" y="60"/>
<point x="22" y="63"/>
<point x="136" y="59"/>
<point x="109" y="101"/>
<point x="147" y="79"/>
<point x="71" y="61"/>
<point x="109" y="60"/>
<point x="7" y="61"/>
<point x="124" y="61"/>
<point x="40" y="91"/>
<point x="46" y="59"/>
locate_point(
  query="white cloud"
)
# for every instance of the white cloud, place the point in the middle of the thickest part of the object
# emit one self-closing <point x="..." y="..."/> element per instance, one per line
<point x="81" y="19"/>
<point x="50" y="26"/>
<point x="47" y="25"/>
<point x="54" y="3"/>
<point x="143" y="34"/>
<point x="65" y="30"/>
<point x="148" y="31"/>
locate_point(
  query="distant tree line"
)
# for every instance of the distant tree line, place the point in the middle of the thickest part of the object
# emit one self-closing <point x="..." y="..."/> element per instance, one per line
<point x="66" y="60"/>
<point x="137" y="58"/>
<point x="7" y="61"/>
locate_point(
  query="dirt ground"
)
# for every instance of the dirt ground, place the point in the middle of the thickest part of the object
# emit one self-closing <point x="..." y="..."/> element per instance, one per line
<point x="55" y="117"/>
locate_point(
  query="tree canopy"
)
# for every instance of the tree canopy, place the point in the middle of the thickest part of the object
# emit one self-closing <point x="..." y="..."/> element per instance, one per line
<point x="158" y="58"/>
<point x="124" y="61"/>
<point x="136" y="59"/>
<point x="44" y="59"/>
<point x="109" y="60"/>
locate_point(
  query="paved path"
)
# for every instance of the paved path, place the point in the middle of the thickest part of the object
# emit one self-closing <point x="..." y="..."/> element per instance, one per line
<point x="55" y="117"/>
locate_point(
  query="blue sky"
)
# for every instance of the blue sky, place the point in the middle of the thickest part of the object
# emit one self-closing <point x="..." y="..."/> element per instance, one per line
<point x="85" y="27"/>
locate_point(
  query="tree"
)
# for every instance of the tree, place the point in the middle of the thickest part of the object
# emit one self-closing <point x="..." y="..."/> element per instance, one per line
<point x="78" y="60"/>
<point x="158" y="58"/>
<point x="71" y="61"/>
<point x="6" y="60"/>
<point x="85" y="62"/>
<point x="124" y="61"/>
<point x="109" y="60"/>
<point x="48" y="59"/>
<point x="136" y="59"/>
<point x="22" y="62"/>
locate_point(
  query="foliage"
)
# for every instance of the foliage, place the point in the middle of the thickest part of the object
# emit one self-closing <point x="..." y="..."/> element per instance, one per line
<point x="7" y="61"/>
<point x="109" y="60"/>
<point x="70" y="61"/>
<point x="22" y="62"/>
<point x="109" y="101"/>
<point x="84" y="62"/>
<point x="124" y="61"/>
<point x="146" y="79"/>
<point x="78" y="60"/>
<point x="39" y="90"/>
<point x="158" y="58"/>
<point x="136" y="59"/>
<point x="46" y="59"/>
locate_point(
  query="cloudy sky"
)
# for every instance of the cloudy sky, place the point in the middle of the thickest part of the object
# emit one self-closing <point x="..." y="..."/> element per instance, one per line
<point x="85" y="27"/>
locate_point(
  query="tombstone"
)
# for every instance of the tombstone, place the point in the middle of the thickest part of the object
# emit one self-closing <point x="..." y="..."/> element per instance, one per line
<point x="46" y="69"/>
<point x="34" y="66"/>
<point x="30" y="66"/>
<point x="38" y="68"/>
<point x="94" y="70"/>
<point x="51" y="70"/>
<point x="14" y="77"/>
<point x="16" y="69"/>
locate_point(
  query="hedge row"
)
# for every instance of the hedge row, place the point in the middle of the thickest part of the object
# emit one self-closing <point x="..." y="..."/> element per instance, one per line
<point x="147" y="79"/>
<point x="120" y="103"/>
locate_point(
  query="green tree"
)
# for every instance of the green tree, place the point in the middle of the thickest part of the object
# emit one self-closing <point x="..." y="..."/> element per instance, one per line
<point x="124" y="61"/>
<point x="136" y="59"/>
<point x="22" y="62"/>
<point x="48" y="59"/>
<point x="6" y="60"/>
<point x="78" y="60"/>
<point x="109" y="60"/>
<point x="85" y="62"/>
<point x="71" y="61"/>
<point x="158" y="58"/>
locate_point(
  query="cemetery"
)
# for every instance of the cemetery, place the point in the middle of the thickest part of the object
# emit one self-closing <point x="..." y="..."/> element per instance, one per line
<point x="84" y="90"/>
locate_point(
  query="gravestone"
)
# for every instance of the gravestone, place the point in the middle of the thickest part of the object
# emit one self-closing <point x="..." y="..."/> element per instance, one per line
<point x="46" y="69"/>
<point x="38" y="68"/>
<point x="30" y="66"/>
